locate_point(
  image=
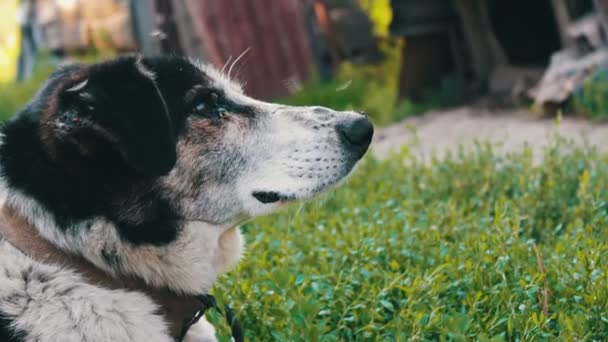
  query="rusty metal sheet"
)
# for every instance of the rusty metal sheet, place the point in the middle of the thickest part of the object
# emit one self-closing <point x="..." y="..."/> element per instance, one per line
<point x="273" y="35"/>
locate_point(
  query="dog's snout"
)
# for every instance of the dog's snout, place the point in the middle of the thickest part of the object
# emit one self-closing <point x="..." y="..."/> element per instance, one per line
<point x="356" y="133"/>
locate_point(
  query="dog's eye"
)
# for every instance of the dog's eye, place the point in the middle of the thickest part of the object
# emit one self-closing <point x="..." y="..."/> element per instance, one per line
<point x="209" y="106"/>
<point x="200" y="108"/>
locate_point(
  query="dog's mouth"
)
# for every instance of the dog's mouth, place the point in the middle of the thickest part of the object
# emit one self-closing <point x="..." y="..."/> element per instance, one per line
<point x="269" y="197"/>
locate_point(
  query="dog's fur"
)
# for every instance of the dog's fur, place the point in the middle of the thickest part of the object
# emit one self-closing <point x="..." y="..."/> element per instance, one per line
<point x="146" y="167"/>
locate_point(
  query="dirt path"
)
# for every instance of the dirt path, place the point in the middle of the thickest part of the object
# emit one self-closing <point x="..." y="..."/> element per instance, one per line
<point x="438" y="131"/>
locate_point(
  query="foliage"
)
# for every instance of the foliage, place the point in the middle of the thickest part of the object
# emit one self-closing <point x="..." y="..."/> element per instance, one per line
<point x="372" y="89"/>
<point x="13" y="96"/>
<point x="380" y="13"/>
<point x="591" y="99"/>
<point x="471" y="247"/>
<point x="10" y="40"/>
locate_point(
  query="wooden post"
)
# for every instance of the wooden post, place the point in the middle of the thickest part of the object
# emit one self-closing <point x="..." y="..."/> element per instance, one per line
<point x="143" y="14"/>
<point x="191" y="43"/>
<point x="322" y="14"/>
<point x="601" y="7"/>
<point x="562" y="16"/>
<point x="486" y="52"/>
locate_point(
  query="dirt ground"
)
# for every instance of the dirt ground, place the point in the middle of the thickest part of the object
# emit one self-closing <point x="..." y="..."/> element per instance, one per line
<point x="441" y="130"/>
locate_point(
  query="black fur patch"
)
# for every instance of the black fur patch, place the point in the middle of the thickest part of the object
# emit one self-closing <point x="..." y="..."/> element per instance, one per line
<point x="7" y="333"/>
<point x="66" y="149"/>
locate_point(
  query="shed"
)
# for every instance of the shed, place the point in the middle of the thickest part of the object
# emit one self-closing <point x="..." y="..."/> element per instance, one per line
<point x="497" y="46"/>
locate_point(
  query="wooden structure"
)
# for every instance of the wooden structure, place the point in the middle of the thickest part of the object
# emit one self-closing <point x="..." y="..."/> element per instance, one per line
<point x="585" y="50"/>
<point x="497" y="46"/>
<point x="266" y="46"/>
<point x="270" y="46"/>
<point x="279" y="41"/>
<point x="428" y="56"/>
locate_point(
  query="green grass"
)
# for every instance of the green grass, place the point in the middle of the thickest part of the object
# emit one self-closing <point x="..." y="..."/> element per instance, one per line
<point x="590" y="99"/>
<point x="14" y="96"/>
<point x="466" y="248"/>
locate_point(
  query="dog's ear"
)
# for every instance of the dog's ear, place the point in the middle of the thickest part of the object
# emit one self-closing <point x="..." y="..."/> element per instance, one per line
<point x="122" y="106"/>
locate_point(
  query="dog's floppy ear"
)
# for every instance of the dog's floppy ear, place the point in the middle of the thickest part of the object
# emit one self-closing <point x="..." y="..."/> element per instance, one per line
<point x="124" y="107"/>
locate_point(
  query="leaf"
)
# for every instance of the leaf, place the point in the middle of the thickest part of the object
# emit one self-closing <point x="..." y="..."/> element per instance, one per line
<point x="387" y="305"/>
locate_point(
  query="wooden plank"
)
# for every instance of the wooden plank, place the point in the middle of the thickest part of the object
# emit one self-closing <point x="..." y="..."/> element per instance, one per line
<point x="263" y="48"/>
<point x="143" y="13"/>
<point x="562" y="16"/>
<point x="486" y="52"/>
<point x="189" y="39"/>
<point x="601" y="7"/>
<point x="275" y="33"/>
<point x="197" y="10"/>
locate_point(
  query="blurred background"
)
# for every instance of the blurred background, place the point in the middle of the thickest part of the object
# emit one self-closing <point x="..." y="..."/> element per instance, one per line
<point x="391" y="58"/>
<point x="473" y="244"/>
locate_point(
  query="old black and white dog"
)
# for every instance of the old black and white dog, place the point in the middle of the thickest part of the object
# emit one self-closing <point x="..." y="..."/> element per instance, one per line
<point x="145" y="168"/>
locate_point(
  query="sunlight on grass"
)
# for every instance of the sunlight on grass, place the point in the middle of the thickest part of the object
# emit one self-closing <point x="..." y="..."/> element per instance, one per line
<point x="14" y="95"/>
<point x="450" y="250"/>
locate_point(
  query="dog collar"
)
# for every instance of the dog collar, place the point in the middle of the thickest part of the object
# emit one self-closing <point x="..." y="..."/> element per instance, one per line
<point x="180" y="311"/>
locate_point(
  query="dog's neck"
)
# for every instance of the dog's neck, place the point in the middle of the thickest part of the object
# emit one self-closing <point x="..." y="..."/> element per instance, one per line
<point x="177" y="309"/>
<point x="189" y="265"/>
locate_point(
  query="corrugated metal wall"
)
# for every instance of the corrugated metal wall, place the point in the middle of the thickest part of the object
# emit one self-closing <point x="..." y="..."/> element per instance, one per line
<point x="274" y="32"/>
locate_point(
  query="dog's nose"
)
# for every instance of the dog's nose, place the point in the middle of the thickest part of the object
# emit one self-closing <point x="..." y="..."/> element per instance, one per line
<point x="356" y="133"/>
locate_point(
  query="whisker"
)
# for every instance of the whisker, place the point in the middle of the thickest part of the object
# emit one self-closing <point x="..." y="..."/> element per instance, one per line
<point x="226" y="64"/>
<point x="237" y="60"/>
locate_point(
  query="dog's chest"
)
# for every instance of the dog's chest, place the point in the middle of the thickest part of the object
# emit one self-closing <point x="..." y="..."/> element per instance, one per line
<point x="75" y="310"/>
<point x="48" y="303"/>
<point x="189" y="264"/>
<point x="229" y="249"/>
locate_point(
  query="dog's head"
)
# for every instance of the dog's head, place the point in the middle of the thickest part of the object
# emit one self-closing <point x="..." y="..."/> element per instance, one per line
<point x="188" y="135"/>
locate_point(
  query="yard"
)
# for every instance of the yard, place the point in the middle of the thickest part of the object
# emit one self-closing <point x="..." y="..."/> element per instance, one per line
<point x="464" y="233"/>
<point x="430" y="245"/>
<point x="475" y="246"/>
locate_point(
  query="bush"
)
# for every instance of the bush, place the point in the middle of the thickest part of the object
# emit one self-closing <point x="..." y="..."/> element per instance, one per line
<point x="472" y="247"/>
<point x="591" y="99"/>
<point x="373" y="89"/>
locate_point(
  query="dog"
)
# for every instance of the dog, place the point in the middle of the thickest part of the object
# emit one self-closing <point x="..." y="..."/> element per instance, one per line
<point x="144" y="168"/>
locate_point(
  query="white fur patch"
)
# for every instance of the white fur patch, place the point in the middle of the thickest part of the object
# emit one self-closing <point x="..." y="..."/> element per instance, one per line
<point x="202" y="331"/>
<point x="219" y="79"/>
<point x="51" y="304"/>
<point x="78" y="86"/>
<point x="299" y="156"/>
